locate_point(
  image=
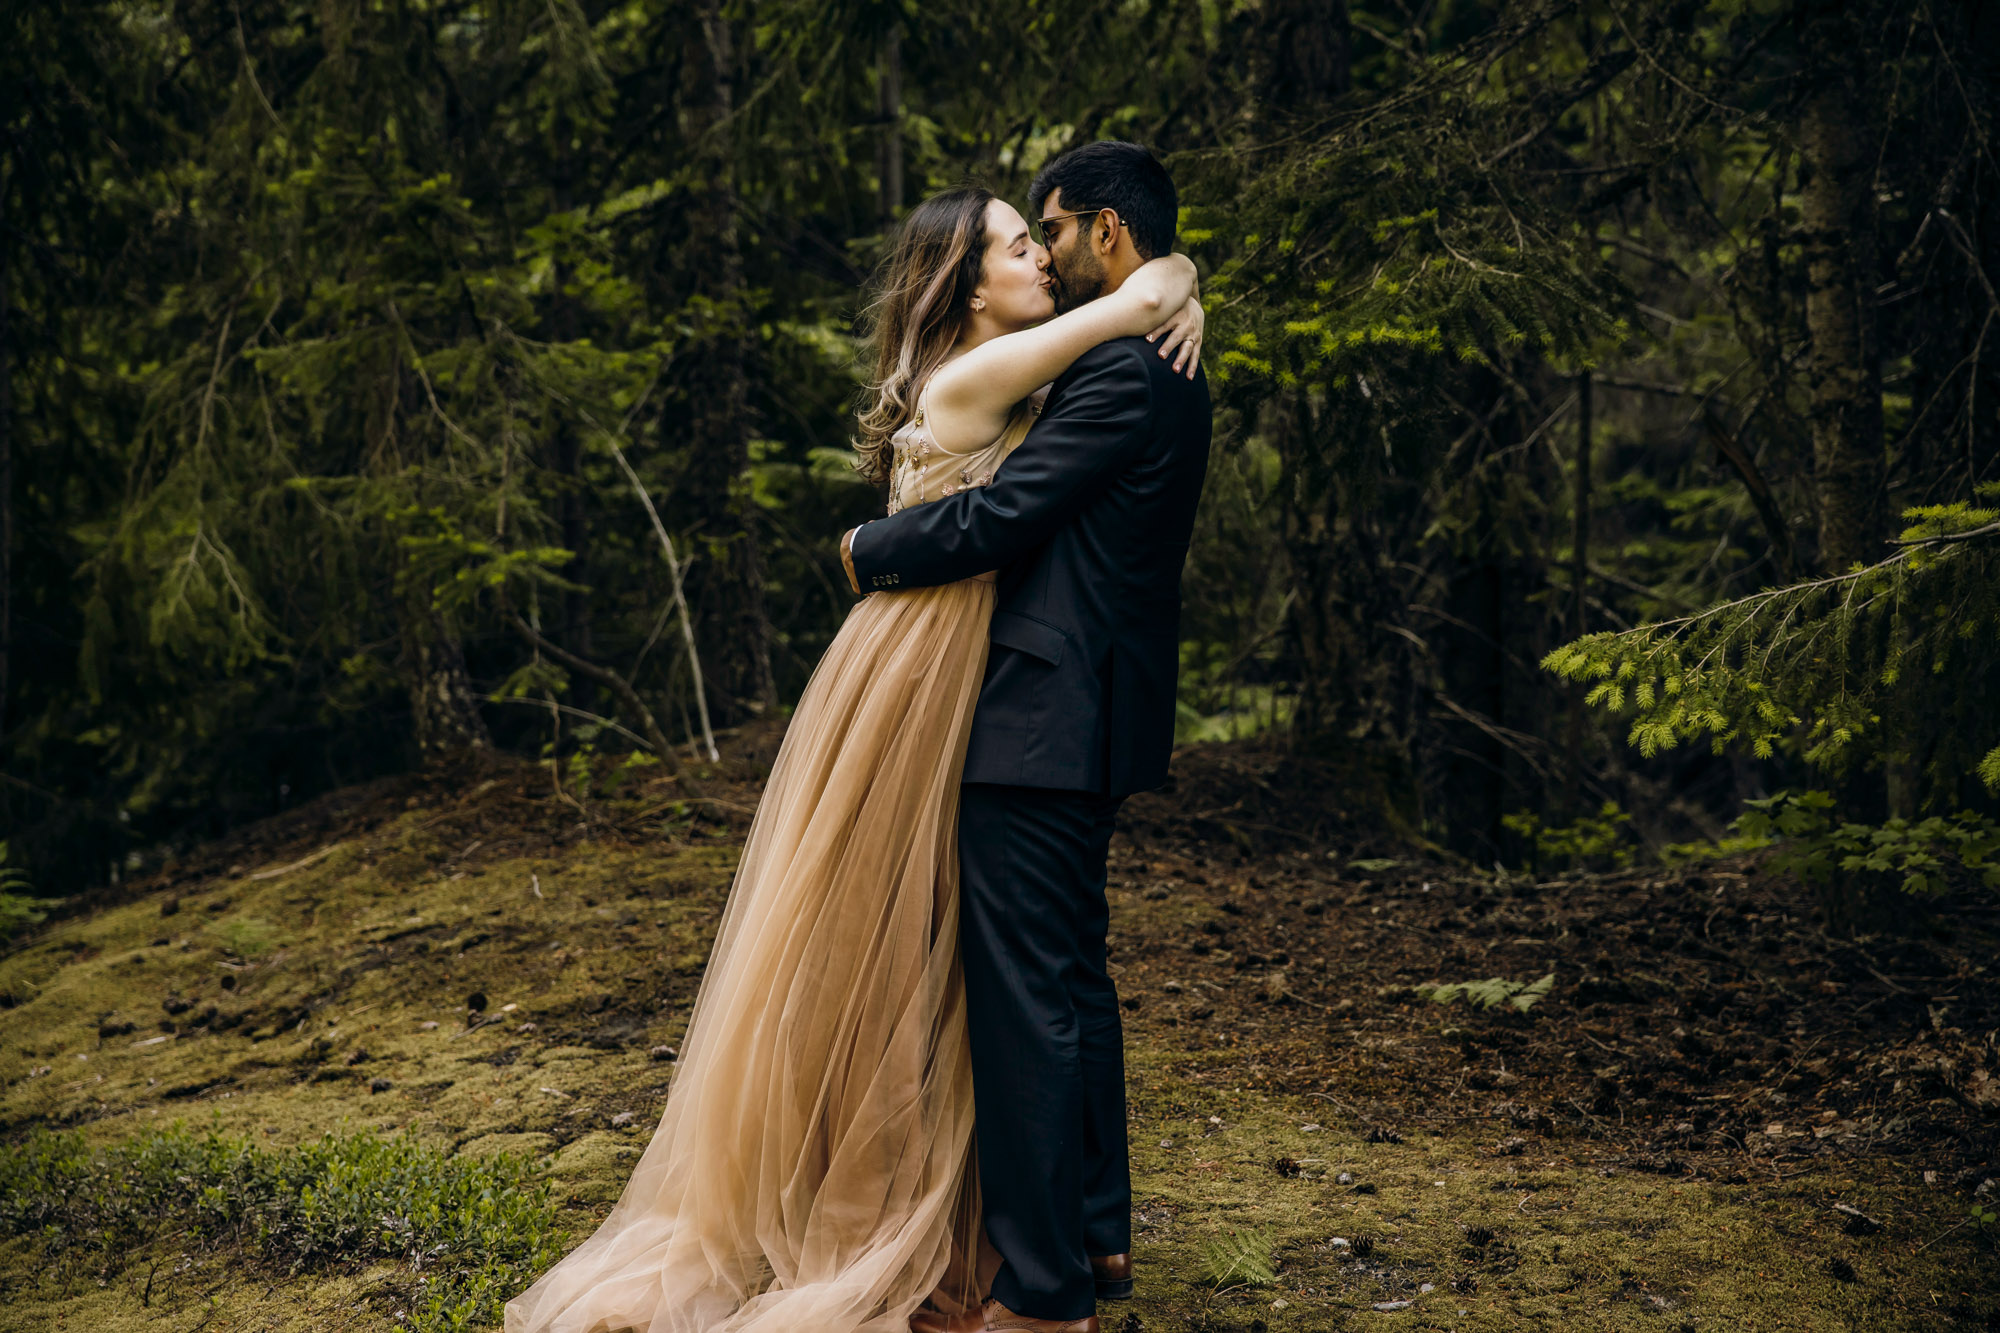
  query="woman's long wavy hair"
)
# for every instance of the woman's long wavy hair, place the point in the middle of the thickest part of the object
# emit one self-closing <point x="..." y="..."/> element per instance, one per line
<point x="923" y="300"/>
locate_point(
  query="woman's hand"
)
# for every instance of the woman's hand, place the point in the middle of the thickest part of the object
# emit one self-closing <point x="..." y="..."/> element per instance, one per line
<point x="1182" y="331"/>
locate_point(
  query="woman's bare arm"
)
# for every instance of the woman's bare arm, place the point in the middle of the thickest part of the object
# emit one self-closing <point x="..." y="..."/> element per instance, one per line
<point x="970" y="396"/>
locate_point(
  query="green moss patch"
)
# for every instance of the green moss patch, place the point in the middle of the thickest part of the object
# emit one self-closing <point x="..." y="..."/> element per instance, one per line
<point x="476" y="984"/>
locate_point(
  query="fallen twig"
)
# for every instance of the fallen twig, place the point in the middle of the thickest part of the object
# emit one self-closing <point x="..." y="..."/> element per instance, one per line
<point x="1329" y="1097"/>
<point x="1940" y="1236"/>
<point x="299" y="864"/>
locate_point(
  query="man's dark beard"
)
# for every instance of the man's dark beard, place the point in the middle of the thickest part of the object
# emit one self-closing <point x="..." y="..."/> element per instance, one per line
<point x="1079" y="277"/>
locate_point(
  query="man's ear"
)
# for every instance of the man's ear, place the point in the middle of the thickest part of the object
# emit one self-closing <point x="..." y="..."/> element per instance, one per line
<point x="1106" y="232"/>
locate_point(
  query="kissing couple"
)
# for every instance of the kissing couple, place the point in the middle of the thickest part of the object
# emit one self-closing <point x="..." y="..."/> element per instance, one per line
<point x="900" y="1103"/>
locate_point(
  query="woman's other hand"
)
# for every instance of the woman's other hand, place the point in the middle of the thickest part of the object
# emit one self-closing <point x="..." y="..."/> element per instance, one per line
<point x="1182" y="332"/>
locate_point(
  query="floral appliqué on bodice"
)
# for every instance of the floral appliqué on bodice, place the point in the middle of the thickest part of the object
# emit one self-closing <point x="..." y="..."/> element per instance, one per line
<point x="920" y="470"/>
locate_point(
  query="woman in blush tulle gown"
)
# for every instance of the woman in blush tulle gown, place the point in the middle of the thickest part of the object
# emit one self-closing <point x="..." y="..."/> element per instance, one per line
<point x="812" y="1170"/>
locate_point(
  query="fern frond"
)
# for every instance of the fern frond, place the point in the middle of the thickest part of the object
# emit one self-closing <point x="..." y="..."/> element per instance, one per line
<point x="1240" y="1258"/>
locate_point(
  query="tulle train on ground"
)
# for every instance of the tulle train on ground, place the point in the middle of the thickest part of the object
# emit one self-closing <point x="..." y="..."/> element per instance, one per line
<point x="812" y="1169"/>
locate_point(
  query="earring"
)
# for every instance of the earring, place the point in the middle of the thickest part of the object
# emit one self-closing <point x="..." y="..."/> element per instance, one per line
<point x="978" y="303"/>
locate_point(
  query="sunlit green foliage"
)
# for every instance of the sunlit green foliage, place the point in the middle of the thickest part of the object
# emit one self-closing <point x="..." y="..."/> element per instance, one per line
<point x="1601" y="840"/>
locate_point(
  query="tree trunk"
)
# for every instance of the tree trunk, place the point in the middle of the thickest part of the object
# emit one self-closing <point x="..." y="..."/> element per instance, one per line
<point x="566" y="445"/>
<point x="1579" y="583"/>
<point x="1494" y="726"/>
<point x="1355" y="690"/>
<point x="734" y="627"/>
<point x="889" y="110"/>
<point x="1839" y="222"/>
<point x="566" y="453"/>
<point x="1299" y="59"/>
<point x="1304" y="58"/>
<point x="1475" y="673"/>
<point x="1955" y="441"/>
<point x="1844" y="379"/>
<point x="1308" y="517"/>
<point x="443" y="709"/>
<point x="6" y="488"/>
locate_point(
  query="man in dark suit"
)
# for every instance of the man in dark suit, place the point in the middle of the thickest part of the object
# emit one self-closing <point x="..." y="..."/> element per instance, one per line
<point x="1087" y="523"/>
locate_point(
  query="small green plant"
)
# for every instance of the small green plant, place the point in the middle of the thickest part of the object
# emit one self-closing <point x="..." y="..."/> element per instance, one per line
<point x="1921" y="857"/>
<point x="1492" y="992"/>
<point x="632" y="765"/>
<point x="1239" y="1258"/>
<point x="473" y="1232"/>
<point x="1600" y="841"/>
<point x="579" y="772"/>
<point x="1986" y="1216"/>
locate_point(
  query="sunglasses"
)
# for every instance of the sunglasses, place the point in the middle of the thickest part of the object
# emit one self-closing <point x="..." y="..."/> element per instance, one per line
<point x="1047" y="233"/>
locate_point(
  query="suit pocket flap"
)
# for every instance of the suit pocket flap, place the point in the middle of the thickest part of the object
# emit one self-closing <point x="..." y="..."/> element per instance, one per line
<point x="1028" y="635"/>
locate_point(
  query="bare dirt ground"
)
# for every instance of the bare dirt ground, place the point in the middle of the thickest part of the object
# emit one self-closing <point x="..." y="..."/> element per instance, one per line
<point x="1723" y="1114"/>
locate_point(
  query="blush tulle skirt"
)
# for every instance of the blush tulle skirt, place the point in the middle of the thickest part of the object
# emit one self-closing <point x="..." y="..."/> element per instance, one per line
<point x="813" y="1167"/>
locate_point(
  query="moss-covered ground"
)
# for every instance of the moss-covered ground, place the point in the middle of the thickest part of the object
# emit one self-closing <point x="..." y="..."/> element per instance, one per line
<point x="489" y="964"/>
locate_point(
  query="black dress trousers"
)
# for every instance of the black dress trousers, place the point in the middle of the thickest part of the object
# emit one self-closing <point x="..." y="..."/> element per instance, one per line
<point x="1048" y="1061"/>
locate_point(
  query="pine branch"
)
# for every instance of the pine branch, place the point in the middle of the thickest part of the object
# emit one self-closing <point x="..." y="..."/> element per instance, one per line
<point x="1831" y="662"/>
<point x="1943" y="538"/>
<point x="1731" y="450"/>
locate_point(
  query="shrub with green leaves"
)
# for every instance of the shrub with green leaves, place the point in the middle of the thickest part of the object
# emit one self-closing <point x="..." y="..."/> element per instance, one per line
<point x="1925" y="856"/>
<point x="472" y="1231"/>
<point x="1601" y="841"/>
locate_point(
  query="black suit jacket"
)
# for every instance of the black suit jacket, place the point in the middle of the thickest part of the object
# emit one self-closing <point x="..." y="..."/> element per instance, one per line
<point x="1088" y="523"/>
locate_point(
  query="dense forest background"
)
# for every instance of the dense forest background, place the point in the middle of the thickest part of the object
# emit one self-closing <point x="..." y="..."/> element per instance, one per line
<point x="1607" y="391"/>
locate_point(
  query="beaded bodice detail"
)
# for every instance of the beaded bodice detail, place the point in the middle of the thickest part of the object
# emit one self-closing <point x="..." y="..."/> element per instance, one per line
<point x="920" y="470"/>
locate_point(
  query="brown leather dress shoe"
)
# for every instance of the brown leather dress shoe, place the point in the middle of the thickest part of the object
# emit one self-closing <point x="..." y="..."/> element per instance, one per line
<point x="1114" y="1276"/>
<point x="995" y="1317"/>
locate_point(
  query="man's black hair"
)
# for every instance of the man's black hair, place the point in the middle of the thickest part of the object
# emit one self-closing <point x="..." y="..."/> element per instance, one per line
<point x="1123" y="177"/>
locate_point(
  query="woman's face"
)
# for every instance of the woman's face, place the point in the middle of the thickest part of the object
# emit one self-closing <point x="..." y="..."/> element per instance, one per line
<point x="1016" y="287"/>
